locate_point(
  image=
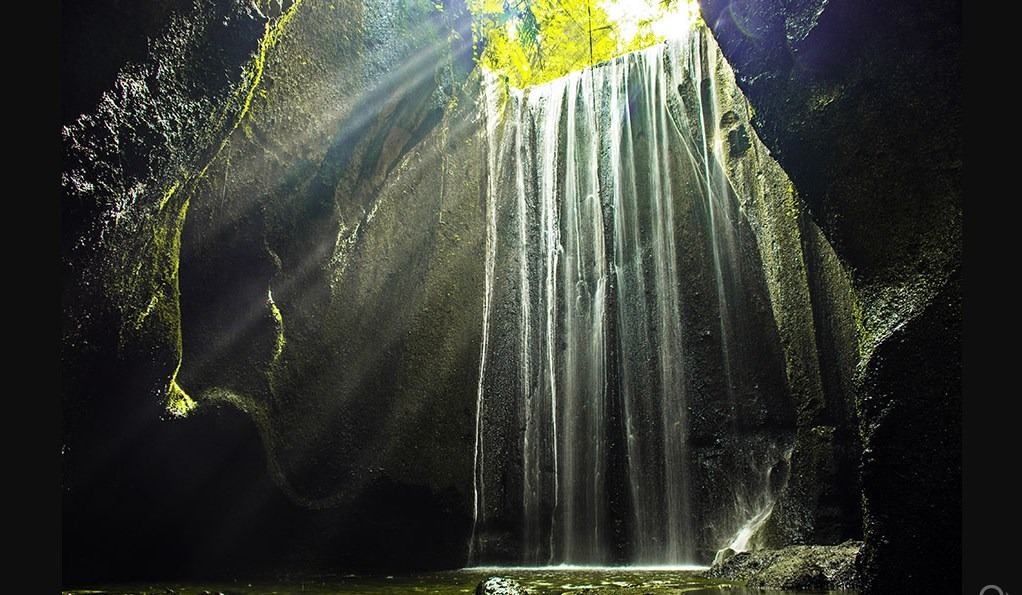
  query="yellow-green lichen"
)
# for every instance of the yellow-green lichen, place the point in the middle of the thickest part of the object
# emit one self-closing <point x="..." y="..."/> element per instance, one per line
<point x="166" y="233"/>
<point x="278" y="323"/>
<point x="179" y="404"/>
<point x="253" y="74"/>
<point x="164" y="301"/>
<point x="865" y="335"/>
<point x="164" y="248"/>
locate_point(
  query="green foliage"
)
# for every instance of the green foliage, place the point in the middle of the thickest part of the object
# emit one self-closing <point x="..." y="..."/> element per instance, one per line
<point x="534" y="41"/>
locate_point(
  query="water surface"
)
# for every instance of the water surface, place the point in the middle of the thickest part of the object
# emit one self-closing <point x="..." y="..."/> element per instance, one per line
<point x="538" y="581"/>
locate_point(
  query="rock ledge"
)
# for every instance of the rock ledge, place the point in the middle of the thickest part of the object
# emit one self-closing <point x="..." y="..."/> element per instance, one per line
<point x="792" y="567"/>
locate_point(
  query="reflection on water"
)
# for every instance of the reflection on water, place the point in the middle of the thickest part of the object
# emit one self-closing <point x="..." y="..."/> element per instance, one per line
<point x="538" y="581"/>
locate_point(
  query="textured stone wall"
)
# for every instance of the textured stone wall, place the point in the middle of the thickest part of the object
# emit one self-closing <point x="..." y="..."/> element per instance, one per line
<point x="861" y="105"/>
<point x="273" y="295"/>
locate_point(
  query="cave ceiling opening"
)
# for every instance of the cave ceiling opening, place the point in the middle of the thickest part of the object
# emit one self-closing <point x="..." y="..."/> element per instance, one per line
<point x="533" y="41"/>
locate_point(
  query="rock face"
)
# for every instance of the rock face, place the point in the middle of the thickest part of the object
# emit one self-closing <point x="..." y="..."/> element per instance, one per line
<point x="656" y="397"/>
<point x="796" y="567"/>
<point x="273" y="227"/>
<point x="862" y="107"/>
<point x="287" y="261"/>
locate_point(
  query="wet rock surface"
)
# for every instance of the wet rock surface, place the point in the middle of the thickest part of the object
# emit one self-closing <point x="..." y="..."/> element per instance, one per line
<point x="886" y="191"/>
<point x="798" y="567"/>
<point x="497" y="585"/>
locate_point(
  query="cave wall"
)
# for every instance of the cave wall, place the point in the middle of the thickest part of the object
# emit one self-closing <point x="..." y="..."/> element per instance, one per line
<point x="331" y="294"/>
<point x="272" y="222"/>
<point x="814" y="311"/>
<point x="862" y="106"/>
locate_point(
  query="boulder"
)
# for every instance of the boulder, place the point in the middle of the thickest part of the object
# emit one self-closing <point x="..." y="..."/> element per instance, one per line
<point x="800" y="567"/>
<point x="498" y="585"/>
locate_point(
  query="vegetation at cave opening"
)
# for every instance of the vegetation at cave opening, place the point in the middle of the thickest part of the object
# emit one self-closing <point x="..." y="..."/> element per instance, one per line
<point x="534" y="41"/>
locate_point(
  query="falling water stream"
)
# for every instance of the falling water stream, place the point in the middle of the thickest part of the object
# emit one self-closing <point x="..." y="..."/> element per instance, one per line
<point x="582" y="434"/>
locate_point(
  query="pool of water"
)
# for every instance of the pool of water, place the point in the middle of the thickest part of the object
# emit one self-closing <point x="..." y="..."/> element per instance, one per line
<point x="538" y="581"/>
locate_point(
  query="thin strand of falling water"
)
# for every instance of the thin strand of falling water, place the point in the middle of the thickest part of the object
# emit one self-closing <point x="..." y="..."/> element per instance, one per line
<point x="530" y="441"/>
<point x="751" y="504"/>
<point x="491" y="115"/>
<point x="673" y="398"/>
<point x="696" y="63"/>
<point x="546" y="103"/>
<point x="632" y="339"/>
<point x="624" y="190"/>
<point x="553" y="249"/>
<point x="553" y="252"/>
<point x="660" y="520"/>
<point x="598" y="311"/>
<point x="720" y="230"/>
<point x="573" y="391"/>
<point x="544" y="108"/>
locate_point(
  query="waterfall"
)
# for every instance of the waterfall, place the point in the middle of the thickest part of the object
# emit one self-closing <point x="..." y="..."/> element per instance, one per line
<point x="612" y="270"/>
